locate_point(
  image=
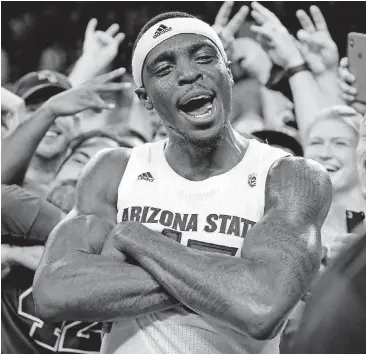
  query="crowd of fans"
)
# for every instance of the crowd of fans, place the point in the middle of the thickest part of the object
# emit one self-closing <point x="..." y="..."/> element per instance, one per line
<point x="53" y="124"/>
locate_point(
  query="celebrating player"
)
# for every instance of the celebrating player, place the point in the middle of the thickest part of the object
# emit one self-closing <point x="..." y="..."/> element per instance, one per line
<point x="131" y="251"/>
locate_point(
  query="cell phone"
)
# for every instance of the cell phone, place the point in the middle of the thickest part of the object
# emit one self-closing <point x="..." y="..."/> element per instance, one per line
<point x="356" y="52"/>
<point x="353" y="219"/>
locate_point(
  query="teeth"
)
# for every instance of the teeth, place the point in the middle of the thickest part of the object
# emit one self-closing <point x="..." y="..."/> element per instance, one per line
<point x="51" y="134"/>
<point x="197" y="98"/>
<point x="205" y="114"/>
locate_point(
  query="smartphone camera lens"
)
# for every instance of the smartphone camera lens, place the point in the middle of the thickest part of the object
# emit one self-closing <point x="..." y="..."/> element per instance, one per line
<point x="351" y="43"/>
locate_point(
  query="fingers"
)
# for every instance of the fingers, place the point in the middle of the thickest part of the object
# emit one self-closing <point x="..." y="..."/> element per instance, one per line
<point x="91" y="26"/>
<point x="344" y="73"/>
<point x="119" y="38"/>
<point x="347" y="89"/>
<point x="305" y="21"/>
<point x="304" y="36"/>
<point x="263" y="12"/>
<point x="110" y="76"/>
<point x="235" y="23"/>
<point x="258" y="17"/>
<point x="318" y="18"/>
<point x="223" y="15"/>
<point x="265" y="31"/>
<point x="104" y="37"/>
<point x="112" y="30"/>
<point x="99" y="104"/>
<point x="344" y="62"/>
<point x="113" y="86"/>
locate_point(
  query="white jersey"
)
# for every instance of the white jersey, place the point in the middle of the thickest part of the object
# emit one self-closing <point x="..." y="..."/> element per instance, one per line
<point x="211" y="215"/>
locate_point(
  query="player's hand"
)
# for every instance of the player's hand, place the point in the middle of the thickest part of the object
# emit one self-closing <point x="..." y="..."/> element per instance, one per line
<point x="279" y="44"/>
<point x="102" y="46"/>
<point x="340" y="244"/>
<point x="112" y="244"/>
<point x="86" y="96"/>
<point x="348" y="91"/>
<point x="130" y="235"/>
<point x="317" y="46"/>
<point x="225" y="29"/>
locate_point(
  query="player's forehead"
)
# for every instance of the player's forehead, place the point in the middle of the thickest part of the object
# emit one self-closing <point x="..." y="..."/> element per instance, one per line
<point x="182" y="43"/>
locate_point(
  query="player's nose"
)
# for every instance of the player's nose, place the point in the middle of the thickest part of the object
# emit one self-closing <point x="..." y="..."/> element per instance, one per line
<point x="187" y="73"/>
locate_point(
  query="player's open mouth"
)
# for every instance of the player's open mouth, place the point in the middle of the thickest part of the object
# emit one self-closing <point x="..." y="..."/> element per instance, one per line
<point x="199" y="106"/>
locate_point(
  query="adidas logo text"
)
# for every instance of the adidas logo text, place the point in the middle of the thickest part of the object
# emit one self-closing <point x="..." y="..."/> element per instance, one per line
<point x="146" y="176"/>
<point x="161" y="30"/>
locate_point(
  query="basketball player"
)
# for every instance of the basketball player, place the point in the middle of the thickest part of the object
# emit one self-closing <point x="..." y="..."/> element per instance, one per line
<point x="257" y="211"/>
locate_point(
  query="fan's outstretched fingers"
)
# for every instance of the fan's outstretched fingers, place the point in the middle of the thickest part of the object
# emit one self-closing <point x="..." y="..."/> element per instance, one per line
<point x="235" y="23"/>
<point x="223" y="15"/>
<point x="318" y="18"/>
<point x="113" y="29"/>
<point x="110" y="76"/>
<point x="305" y="21"/>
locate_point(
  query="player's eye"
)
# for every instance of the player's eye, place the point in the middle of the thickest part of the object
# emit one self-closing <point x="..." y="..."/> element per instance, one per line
<point x="204" y="58"/>
<point x="162" y="70"/>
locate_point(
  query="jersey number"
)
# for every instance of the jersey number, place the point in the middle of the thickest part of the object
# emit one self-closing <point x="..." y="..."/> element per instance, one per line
<point x="200" y="245"/>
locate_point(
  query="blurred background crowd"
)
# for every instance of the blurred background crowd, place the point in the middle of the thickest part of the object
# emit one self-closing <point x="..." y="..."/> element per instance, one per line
<point x="300" y="84"/>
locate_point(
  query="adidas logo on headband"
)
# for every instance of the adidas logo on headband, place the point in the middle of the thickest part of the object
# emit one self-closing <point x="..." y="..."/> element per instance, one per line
<point x="161" y="30"/>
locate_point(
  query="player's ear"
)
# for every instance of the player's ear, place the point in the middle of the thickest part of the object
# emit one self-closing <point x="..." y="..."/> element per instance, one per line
<point x="144" y="98"/>
<point x="228" y="68"/>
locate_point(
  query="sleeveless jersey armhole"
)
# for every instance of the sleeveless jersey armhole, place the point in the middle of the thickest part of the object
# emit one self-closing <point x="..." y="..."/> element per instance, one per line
<point x="269" y="155"/>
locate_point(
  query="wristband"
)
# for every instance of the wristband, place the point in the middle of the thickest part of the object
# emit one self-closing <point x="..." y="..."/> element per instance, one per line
<point x="296" y="69"/>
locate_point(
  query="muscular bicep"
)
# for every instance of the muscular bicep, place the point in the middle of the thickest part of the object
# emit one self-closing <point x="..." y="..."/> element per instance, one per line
<point x="287" y="239"/>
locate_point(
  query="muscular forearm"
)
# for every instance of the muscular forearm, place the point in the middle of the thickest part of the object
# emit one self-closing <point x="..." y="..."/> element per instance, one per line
<point x="18" y="148"/>
<point x="89" y="287"/>
<point x="246" y="295"/>
<point x="252" y="294"/>
<point x="210" y="284"/>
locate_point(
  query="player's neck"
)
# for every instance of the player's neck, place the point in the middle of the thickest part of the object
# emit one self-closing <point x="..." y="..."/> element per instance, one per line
<point x="198" y="163"/>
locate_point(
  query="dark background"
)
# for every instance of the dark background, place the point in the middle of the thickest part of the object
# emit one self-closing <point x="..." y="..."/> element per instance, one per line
<point x="29" y="27"/>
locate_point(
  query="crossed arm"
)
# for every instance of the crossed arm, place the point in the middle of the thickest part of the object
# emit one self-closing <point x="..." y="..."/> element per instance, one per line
<point x="252" y="294"/>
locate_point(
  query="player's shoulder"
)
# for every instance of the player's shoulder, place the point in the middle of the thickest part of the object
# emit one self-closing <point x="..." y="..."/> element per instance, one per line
<point x="103" y="172"/>
<point x="108" y="161"/>
<point x="299" y="166"/>
<point x="298" y="176"/>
